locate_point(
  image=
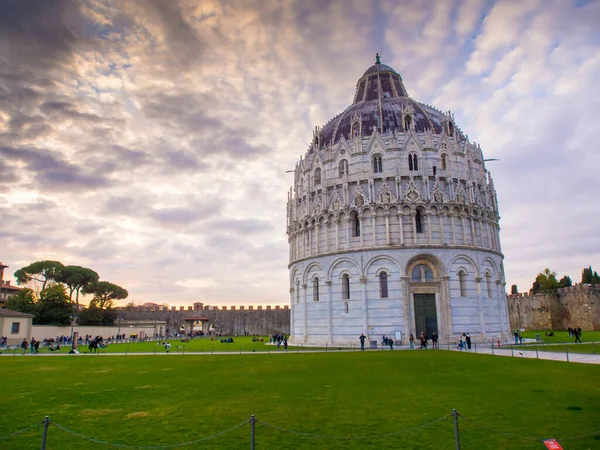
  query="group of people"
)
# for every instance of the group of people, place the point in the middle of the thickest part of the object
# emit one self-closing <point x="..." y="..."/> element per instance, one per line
<point x="278" y="339"/>
<point x="424" y="340"/>
<point x="33" y="345"/>
<point x="465" y="342"/>
<point x="576" y="333"/>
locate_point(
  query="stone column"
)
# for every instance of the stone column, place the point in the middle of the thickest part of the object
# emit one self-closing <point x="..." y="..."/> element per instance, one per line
<point x="337" y="233"/>
<point x="442" y="237"/>
<point x="473" y="236"/>
<point x="305" y="317"/>
<point x="446" y="308"/>
<point x="327" y="235"/>
<point x="453" y="229"/>
<point x="408" y="327"/>
<point x="292" y="327"/>
<point x="429" y="226"/>
<point x="414" y="226"/>
<point x="317" y="232"/>
<point x="462" y="222"/>
<point x="400" y="216"/>
<point x="363" y="285"/>
<point x="373" y="225"/>
<point x="480" y="305"/>
<point x="309" y="231"/>
<point x="348" y="224"/>
<point x="387" y="228"/>
<point x="329" y="312"/>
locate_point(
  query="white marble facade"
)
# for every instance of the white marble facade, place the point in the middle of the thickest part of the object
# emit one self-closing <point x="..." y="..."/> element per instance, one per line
<point x="393" y="225"/>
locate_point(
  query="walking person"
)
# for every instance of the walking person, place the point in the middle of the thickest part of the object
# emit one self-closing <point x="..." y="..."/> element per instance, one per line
<point x="463" y="341"/>
<point x="37" y="347"/>
<point x="577" y="333"/>
<point x="362" y="338"/>
<point x="434" y="340"/>
<point x="24" y="346"/>
<point x="411" y="341"/>
<point x="516" y="335"/>
<point x="32" y="346"/>
<point x="468" y="339"/>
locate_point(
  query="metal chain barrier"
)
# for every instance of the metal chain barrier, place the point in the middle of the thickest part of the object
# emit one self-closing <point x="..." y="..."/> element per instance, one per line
<point x="46" y="422"/>
<point x="155" y="447"/>
<point x="358" y="438"/>
<point x="24" y="430"/>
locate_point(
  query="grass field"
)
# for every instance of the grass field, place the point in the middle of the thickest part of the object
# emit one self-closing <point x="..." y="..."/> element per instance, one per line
<point x="160" y="400"/>
<point x="561" y="337"/>
<point x="205" y="345"/>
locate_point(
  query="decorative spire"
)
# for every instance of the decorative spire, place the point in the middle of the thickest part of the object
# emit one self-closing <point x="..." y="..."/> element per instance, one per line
<point x="377" y="58"/>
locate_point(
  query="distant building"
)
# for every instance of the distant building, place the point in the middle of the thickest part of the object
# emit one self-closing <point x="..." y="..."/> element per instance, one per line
<point x="392" y="225"/>
<point x="7" y="290"/>
<point x="15" y="325"/>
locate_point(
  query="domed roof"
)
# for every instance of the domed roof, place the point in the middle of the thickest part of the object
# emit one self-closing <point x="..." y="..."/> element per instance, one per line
<point x="381" y="102"/>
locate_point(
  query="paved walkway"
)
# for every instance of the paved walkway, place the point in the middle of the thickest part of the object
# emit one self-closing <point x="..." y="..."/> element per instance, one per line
<point x="516" y="353"/>
<point x="532" y="354"/>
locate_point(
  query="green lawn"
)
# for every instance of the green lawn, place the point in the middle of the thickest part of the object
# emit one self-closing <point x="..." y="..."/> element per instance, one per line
<point x="204" y="345"/>
<point x="563" y="336"/>
<point x="589" y="349"/>
<point x="159" y="400"/>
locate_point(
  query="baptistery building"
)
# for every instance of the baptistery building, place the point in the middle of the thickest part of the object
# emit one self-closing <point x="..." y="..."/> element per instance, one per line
<point x="392" y="225"/>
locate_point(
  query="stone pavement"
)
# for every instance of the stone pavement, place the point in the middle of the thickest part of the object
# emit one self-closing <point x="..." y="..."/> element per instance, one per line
<point x="532" y="354"/>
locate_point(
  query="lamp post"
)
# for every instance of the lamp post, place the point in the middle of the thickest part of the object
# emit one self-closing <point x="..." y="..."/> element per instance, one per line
<point x="119" y="327"/>
<point x="73" y="318"/>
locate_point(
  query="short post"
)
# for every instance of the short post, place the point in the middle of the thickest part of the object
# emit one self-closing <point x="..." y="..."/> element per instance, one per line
<point x="45" y="434"/>
<point x="512" y="351"/>
<point x="252" y="422"/>
<point x="492" y="347"/>
<point x="567" y="353"/>
<point x="537" y="355"/>
<point x="475" y="347"/>
<point x="593" y="347"/>
<point x="325" y="347"/>
<point x="455" y="414"/>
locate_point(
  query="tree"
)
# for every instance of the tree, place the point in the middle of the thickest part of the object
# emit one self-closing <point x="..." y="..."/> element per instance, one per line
<point x="588" y="276"/>
<point x="514" y="289"/>
<point x="105" y="294"/>
<point x="54" y="307"/>
<point x="23" y="301"/>
<point x="42" y="271"/>
<point x="545" y="281"/>
<point x="76" y="278"/>
<point x="565" y="281"/>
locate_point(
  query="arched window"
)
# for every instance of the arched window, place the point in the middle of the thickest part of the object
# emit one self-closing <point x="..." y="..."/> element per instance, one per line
<point x="346" y="307"/>
<point x="318" y="176"/>
<point x="422" y="273"/>
<point x="450" y="128"/>
<point x="407" y="122"/>
<point x="419" y="221"/>
<point x="462" y="281"/>
<point x="345" y="286"/>
<point x="488" y="281"/>
<point x="383" y="285"/>
<point x="377" y="164"/>
<point x="297" y="291"/>
<point x="355" y="225"/>
<point x="315" y="289"/>
<point x="343" y="169"/>
<point x="444" y="161"/>
<point x="413" y="163"/>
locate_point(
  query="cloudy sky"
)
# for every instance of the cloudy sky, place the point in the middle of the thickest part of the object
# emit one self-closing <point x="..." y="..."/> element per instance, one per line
<point x="149" y="139"/>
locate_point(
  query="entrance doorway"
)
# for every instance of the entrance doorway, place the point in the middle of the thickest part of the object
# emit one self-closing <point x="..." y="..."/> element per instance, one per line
<point x="425" y="314"/>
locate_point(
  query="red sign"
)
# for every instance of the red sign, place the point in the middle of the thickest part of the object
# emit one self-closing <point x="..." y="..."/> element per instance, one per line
<point x="552" y="444"/>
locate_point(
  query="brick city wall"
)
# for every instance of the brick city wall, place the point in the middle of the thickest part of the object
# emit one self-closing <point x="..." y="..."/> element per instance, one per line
<point x="233" y="320"/>
<point x="576" y="306"/>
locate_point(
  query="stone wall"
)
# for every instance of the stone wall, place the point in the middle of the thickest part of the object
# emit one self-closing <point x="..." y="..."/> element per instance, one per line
<point x="233" y="320"/>
<point x="576" y="306"/>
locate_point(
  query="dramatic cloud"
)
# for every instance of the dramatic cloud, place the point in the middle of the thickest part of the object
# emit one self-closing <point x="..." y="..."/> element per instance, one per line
<point x="149" y="139"/>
